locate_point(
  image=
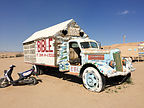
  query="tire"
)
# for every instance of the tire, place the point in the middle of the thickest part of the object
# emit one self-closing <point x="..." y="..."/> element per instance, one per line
<point x="33" y="81"/>
<point x="38" y="70"/>
<point x="3" y="83"/>
<point x="93" y="80"/>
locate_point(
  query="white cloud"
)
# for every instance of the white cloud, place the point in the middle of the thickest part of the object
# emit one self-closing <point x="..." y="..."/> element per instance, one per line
<point x="125" y="12"/>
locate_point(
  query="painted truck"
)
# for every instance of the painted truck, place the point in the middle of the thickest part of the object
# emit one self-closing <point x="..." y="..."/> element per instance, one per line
<point x="67" y="47"/>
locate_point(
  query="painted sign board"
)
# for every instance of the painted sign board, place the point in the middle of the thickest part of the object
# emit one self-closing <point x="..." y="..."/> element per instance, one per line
<point x="45" y="51"/>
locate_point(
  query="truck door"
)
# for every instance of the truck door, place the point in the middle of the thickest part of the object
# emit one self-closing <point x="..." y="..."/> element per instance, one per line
<point x="63" y="58"/>
<point x="74" y="53"/>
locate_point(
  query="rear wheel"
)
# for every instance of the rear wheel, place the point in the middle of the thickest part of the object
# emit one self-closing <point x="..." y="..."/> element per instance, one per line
<point x="93" y="80"/>
<point x="38" y="69"/>
<point x="3" y="83"/>
<point x="33" y="81"/>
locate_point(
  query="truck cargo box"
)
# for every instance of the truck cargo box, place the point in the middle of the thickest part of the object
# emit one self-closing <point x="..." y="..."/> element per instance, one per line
<point x="43" y="47"/>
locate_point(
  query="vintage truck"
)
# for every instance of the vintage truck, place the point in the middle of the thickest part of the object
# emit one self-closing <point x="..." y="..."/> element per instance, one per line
<point x="67" y="47"/>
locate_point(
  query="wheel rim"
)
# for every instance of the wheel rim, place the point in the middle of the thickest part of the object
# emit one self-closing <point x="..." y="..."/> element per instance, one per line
<point x="92" y="79"/>
<point x="33" y="80"/>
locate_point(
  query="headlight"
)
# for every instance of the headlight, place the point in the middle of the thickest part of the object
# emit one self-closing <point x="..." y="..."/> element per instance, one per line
<point x="112" y="64"/>
<point x="124" y="62"/>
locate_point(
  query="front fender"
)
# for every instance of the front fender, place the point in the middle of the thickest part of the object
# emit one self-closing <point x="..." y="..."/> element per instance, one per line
<point x="104" y="68"/>
<point x="129" y="66"/>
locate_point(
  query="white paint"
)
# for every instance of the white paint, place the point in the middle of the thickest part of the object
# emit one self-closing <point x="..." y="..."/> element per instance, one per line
<point x="46" y="58"/>
<point x="51" y="31"/>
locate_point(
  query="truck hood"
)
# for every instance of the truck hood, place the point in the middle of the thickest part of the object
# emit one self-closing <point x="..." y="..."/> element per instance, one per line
<point x="95" y="51"/>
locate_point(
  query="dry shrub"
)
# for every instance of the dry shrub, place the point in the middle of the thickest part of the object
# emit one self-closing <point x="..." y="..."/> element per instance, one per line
<point x="11" y="56"/>
<point x="19" y="55"/>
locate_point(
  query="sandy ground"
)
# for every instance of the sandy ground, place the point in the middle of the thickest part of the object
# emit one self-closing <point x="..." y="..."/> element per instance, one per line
<point x="65" y="91"/>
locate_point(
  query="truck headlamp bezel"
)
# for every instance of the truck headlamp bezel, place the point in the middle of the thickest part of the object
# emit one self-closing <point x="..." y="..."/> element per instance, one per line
<point x="112" y="64"/>
<point x="124" y="61"/>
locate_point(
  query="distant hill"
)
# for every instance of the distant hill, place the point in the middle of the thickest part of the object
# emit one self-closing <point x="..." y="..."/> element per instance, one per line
<point x="133" y="50"/>
<point x="10" y="54"/>
<point x="120" y="45"/>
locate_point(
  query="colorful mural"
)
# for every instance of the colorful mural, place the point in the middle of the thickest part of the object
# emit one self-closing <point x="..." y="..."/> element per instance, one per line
<point x="63" y="58"/>
<point x="103" y="64"/>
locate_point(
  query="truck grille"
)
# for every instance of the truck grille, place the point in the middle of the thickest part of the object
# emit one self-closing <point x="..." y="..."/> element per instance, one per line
<point x="117" y="59"/>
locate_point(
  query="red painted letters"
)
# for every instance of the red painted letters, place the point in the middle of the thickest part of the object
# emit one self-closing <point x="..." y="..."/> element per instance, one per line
<point x="44" y="45"/>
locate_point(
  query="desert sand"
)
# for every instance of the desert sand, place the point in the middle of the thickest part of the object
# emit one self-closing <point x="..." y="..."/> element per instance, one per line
<point x="66" y="91"/>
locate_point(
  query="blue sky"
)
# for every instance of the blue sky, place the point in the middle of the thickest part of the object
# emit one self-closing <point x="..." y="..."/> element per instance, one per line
<point x="103" y="20"/>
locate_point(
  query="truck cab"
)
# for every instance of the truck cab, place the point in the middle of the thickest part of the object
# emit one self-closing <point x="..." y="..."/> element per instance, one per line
<point x="77" y="46"/>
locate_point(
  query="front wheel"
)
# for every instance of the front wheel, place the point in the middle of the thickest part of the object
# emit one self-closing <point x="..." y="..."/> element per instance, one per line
<point x="4" y="83"/>
<point x="93" y="80"/>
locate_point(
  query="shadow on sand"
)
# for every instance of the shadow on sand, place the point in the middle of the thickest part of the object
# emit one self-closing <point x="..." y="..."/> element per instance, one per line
<point x="65" y="76"/>
<point x="72" y="78"/>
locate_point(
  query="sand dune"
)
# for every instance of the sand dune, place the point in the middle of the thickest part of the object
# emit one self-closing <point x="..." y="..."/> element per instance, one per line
<point x="133" y="50"/>
<point x="66" y="91"/>
<point x="120" y="45"/>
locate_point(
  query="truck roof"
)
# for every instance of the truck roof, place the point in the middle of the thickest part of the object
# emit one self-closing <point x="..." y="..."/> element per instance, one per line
<point x="80" y="39"/>
<point x="52" y="31"/>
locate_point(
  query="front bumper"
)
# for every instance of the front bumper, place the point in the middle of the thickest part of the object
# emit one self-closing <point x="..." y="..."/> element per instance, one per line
<point x="118" y="73"/>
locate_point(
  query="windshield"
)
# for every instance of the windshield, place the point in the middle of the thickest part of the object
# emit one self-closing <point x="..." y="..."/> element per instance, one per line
<point x="89" y="45"/>
<point x="85" y="44"/>
<point x="93" y="45"/>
